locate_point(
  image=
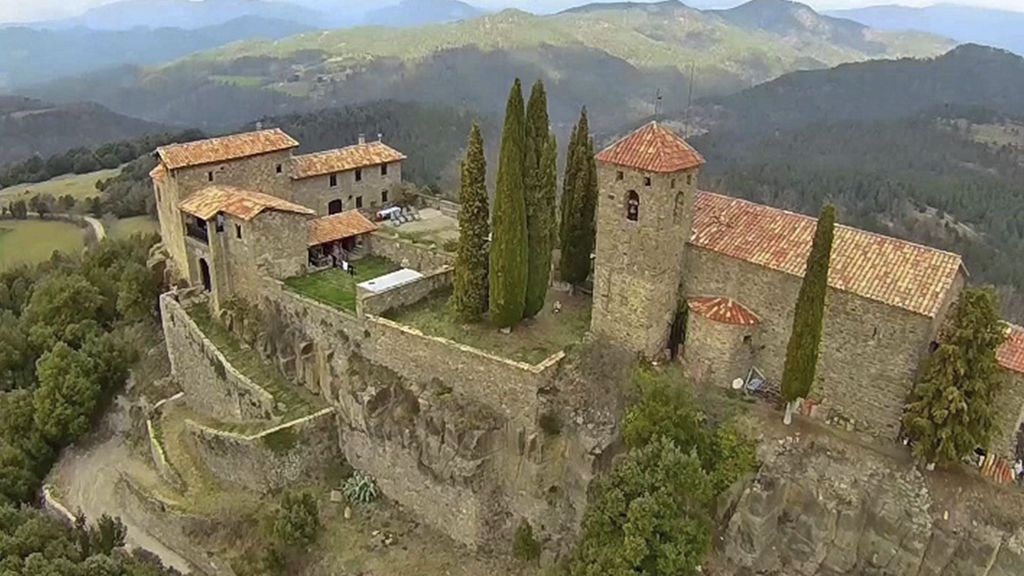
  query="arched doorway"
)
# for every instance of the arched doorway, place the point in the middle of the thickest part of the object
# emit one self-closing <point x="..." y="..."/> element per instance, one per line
<point x="334" y="206"/>
<point x="204" y="271"/>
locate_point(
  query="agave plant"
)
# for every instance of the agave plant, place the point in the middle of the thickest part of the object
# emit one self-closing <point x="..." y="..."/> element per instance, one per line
<point x="361" y="488"/>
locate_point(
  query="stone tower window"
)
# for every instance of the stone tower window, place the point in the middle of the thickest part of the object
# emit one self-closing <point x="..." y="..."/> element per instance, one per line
<point x="334" y="180"/>
<point x="632" y="206"/>
<point x="209" y="176"/>
<point x="238" y="231"/>
<point x="280" y="168"/>
<point x="672" y="183"/>
<point x="679" y="210"/>
<point x="619" y="175"/>
<point x="359" y="175"/>
<point x="647" y="180"/>
<point x="689" y="179"/>
<point x="383" y="169"/>
<point x="334" y="206"/>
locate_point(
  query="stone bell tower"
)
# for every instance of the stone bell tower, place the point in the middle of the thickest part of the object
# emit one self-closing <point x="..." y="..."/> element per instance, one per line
<point x="646" y="186"/>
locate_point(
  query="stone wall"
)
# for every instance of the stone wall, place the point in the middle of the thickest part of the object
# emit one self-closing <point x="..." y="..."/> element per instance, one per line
<point x="276" y="458"/>
<point x="638" y="262"/>
<point x="446" y="207"/>
<point x="409" y="254"/>
<point x="367" y="195"/>
<point x="507" y="386"/>
<point x="1009" y="415"/>
<point x="870" y="352"/>
<point x="823" y="507"/>
<point x="211" y="385"/>
<point x="716" y="352"/>
<point x="378" y="303"/>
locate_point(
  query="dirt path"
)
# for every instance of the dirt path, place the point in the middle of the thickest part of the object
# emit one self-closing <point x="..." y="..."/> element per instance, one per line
<point x="86" y="477"/>
<point x="97" y="228"/>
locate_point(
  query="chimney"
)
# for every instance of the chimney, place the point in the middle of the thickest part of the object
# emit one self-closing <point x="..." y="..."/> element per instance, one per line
<point x="380" y="137"/>
<point x="362" y="138"/>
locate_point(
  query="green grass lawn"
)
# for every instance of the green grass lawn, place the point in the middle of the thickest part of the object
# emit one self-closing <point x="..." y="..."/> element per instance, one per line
<point x="77" y="185"/>
<point x="32" y="241"/>
<point x="297" y="400"/>
<point x="335" y="287"/>
<point x="127" y="227"/>
<point x="531" y="341"/>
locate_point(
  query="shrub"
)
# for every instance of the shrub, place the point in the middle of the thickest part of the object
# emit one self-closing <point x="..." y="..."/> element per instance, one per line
<point x="298" y="519"/>
<point x="524" y="546"/>
<point x="360" y="488"/>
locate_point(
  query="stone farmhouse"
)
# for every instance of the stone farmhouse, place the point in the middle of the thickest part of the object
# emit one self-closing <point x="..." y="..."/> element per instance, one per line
<point x="451" y="431"/>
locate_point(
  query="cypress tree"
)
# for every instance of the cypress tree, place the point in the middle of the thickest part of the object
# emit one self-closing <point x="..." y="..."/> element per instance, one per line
<point x="509" y="258"/>
<point x="952" y="410"/>
<point x="537" y="220"/>
<point x="469" y="298"/>
<point x="802" y="351"/>
<point x="579" y="201"/>
<point x="568" y="183"/>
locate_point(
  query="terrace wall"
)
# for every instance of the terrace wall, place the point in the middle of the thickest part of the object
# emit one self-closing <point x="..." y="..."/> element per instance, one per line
<point x="299" y="450"/>
<point x="377" y="303"/>
<point x="408" y="253"/>
<point x="211" y="385"/>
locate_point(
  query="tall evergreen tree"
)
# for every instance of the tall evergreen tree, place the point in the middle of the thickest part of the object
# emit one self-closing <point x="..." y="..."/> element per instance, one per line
<point x="952" y="410"/>
<point x="568" y="182"/>
<point x="537" y="211"/>
<point x="802" y="351"/>
<point x="469" y="298"/>
<point x="579" y="199"/>
<point x="509" y="257"/>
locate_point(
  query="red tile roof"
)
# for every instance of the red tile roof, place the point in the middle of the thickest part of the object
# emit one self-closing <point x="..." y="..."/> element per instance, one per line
<point x="338" y="227"/>
<point x="723" y="310"/>
<point x="342" y="159"/>
<point x="244" y="204"/>
<point x="895" y="272"/>
<point x="1011" y="354"/>
<point x="652" y="148"/>
<point x="225" y="148"/>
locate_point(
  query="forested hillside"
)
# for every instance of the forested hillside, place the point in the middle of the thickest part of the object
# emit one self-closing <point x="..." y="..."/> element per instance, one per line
<point x="615" y="58"/>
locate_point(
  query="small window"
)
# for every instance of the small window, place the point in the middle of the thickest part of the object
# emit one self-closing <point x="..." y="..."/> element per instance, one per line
<point x="334" y="206"/>
<point x="632" y="206"/>
<point x="679" y="211"/>
<point x="619" y="175"/>
<point x="334" y="180"/>
<point x="647" y="180"/>
<point x="359" y="175"/>
<point x="209" y="176"/>
<point x="280" y="168"/>
<point x="672" y="183"/>
<point x="747" y="339"/>
<point x="384" y="196"/>
<point x="359" y="201"/>
<point x="158" y="195"/>
<point x="689" y="179"/>
<point x="383" y="169"/>
<point x="874" y="333"/>
<point x="219" y="223"/>
<point x="238" y="231"/>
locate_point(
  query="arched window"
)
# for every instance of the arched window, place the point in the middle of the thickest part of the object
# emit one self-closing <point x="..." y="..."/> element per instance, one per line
<point x="334" y="206"/>
<point x="679" y="211"/>
<point x="632" y="206"/>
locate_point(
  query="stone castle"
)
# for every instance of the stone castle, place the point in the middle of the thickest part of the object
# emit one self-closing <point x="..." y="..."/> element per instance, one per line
<point x="454" y="433"/>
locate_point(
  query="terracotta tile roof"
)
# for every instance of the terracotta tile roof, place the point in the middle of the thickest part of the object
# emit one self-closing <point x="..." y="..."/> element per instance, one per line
<point x="338" y="226"/>
<point x="891" y="271"/>
<point x="1011" y="354"/>
<point x="158" y="173"/>
<point x="225" y="148"/>
<point x="652" y="148"/>
<point x="342" y="159"/>
<point x="724" y="310"/>
<point x="244" y="204"/>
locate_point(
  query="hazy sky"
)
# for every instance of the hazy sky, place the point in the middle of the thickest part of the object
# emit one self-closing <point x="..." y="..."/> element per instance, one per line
<point x="27" y="10"/>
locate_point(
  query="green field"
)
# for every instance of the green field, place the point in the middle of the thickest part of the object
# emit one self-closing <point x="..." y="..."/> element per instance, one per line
<point x="127" y="227"/>
<point x="32" y="241"/>
<point x="77" y="185"/>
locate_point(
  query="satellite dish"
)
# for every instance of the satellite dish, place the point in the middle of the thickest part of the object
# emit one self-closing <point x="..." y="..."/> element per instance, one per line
<point x="737" y="384"/>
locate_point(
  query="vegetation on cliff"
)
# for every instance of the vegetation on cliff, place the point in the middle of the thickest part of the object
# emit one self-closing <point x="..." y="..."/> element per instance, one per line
<point x="952" y="410"/>
<point x="509" y="257"/>
<point x="802" y="351"/>
<point x="539" y="177"/>
<point x="579" y="202"/>
<point x="469" y="296"/>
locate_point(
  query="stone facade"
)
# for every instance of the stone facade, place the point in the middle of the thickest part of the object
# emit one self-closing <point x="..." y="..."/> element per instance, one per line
<point x="639" y="262"/>
<point x="1010" y="415"/>
<point x="716" y="352"/>
<point x="372" y="192"/>
<point x="271" y="460"/>
<point x="870" y="351"/>
<point x="408" y="253"/>
<point x="211" y="385"/>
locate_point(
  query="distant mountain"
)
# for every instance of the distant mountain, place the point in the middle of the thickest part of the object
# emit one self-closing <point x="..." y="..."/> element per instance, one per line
<point x="613" y="58"/>
<point x="188" y="14"/>
<point x="37" y="55"/>
<point x="29" y="126"/>
<point x="999" y="28"/>
<point x="409" y="13"/>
